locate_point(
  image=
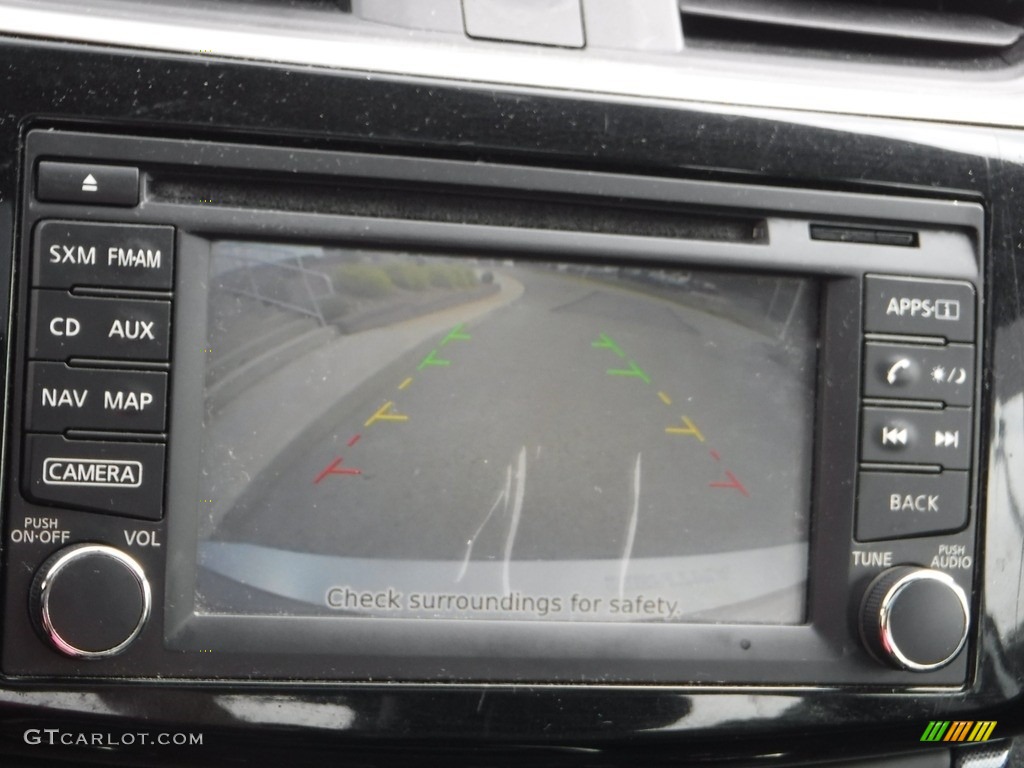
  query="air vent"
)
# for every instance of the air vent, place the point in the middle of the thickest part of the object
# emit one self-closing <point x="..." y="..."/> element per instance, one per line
<point x="892" y="29"/>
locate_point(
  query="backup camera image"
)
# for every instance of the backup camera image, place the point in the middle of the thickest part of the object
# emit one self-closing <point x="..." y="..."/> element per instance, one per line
<point x="416" y="436"/>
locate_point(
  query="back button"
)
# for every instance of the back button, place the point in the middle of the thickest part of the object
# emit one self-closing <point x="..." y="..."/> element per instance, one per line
<point x="892" y="505"/>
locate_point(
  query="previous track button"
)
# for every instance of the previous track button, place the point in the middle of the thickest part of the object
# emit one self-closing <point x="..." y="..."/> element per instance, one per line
<point x="909" y="436"/>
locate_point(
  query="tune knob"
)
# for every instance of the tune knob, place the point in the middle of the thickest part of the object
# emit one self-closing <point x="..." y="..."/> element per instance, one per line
<point x="90" y="601"/>
<point x="914" y="618"/>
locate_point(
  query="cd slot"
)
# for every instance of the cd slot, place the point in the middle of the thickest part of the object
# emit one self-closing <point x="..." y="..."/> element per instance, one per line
<point x="454" y="204"/>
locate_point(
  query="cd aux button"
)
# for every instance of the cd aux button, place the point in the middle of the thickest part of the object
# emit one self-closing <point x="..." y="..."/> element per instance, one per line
<point x="69" y="254"/>
<point x="62" y="398"/>
<point x="891" y="505"/>
<point x="97" y="476"/>
<point x="65" y="326"/>
<point x="907" y="436"/>
<point x="913" y="307"/>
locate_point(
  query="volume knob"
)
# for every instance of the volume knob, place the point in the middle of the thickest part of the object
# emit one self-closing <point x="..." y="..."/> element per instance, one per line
<point x="914" y="618"/>
<point x="90" y="601"/>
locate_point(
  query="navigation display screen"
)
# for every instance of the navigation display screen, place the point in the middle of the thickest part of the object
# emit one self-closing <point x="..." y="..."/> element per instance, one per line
<point x="409" y="436"/>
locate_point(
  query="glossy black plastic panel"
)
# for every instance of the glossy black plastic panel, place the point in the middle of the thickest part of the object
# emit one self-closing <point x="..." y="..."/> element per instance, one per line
<point x="117" y="91"/>
<point x="256" y="462"/>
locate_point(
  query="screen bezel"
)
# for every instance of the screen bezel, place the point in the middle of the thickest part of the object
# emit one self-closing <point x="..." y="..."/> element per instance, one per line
<point x="480" y="645"/>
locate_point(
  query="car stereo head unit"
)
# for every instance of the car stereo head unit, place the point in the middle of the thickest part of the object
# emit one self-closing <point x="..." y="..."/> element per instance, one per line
<point x="286" y="414"/>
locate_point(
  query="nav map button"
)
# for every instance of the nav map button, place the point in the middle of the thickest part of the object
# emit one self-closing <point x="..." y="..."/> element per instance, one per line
<point x="893" y="505"/>
<point x="917" y="307"/>
<point x="69" y="254"/>
<point x="62" y="398"/>
<point x="908" y="436"/>
<point x="88" y="183"/>
<point x="96" y="476"/>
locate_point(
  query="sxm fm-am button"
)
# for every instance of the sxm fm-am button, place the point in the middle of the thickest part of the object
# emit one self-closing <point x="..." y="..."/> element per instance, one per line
<point x="914" y="307"/>
<point x="893" y="505"/>
<point x="65" y="327"/>
<point x="62" y="398"/>
<point x="69" y="254"/>
<point x="907" y="436"/>
<point x="97" y="476"/>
